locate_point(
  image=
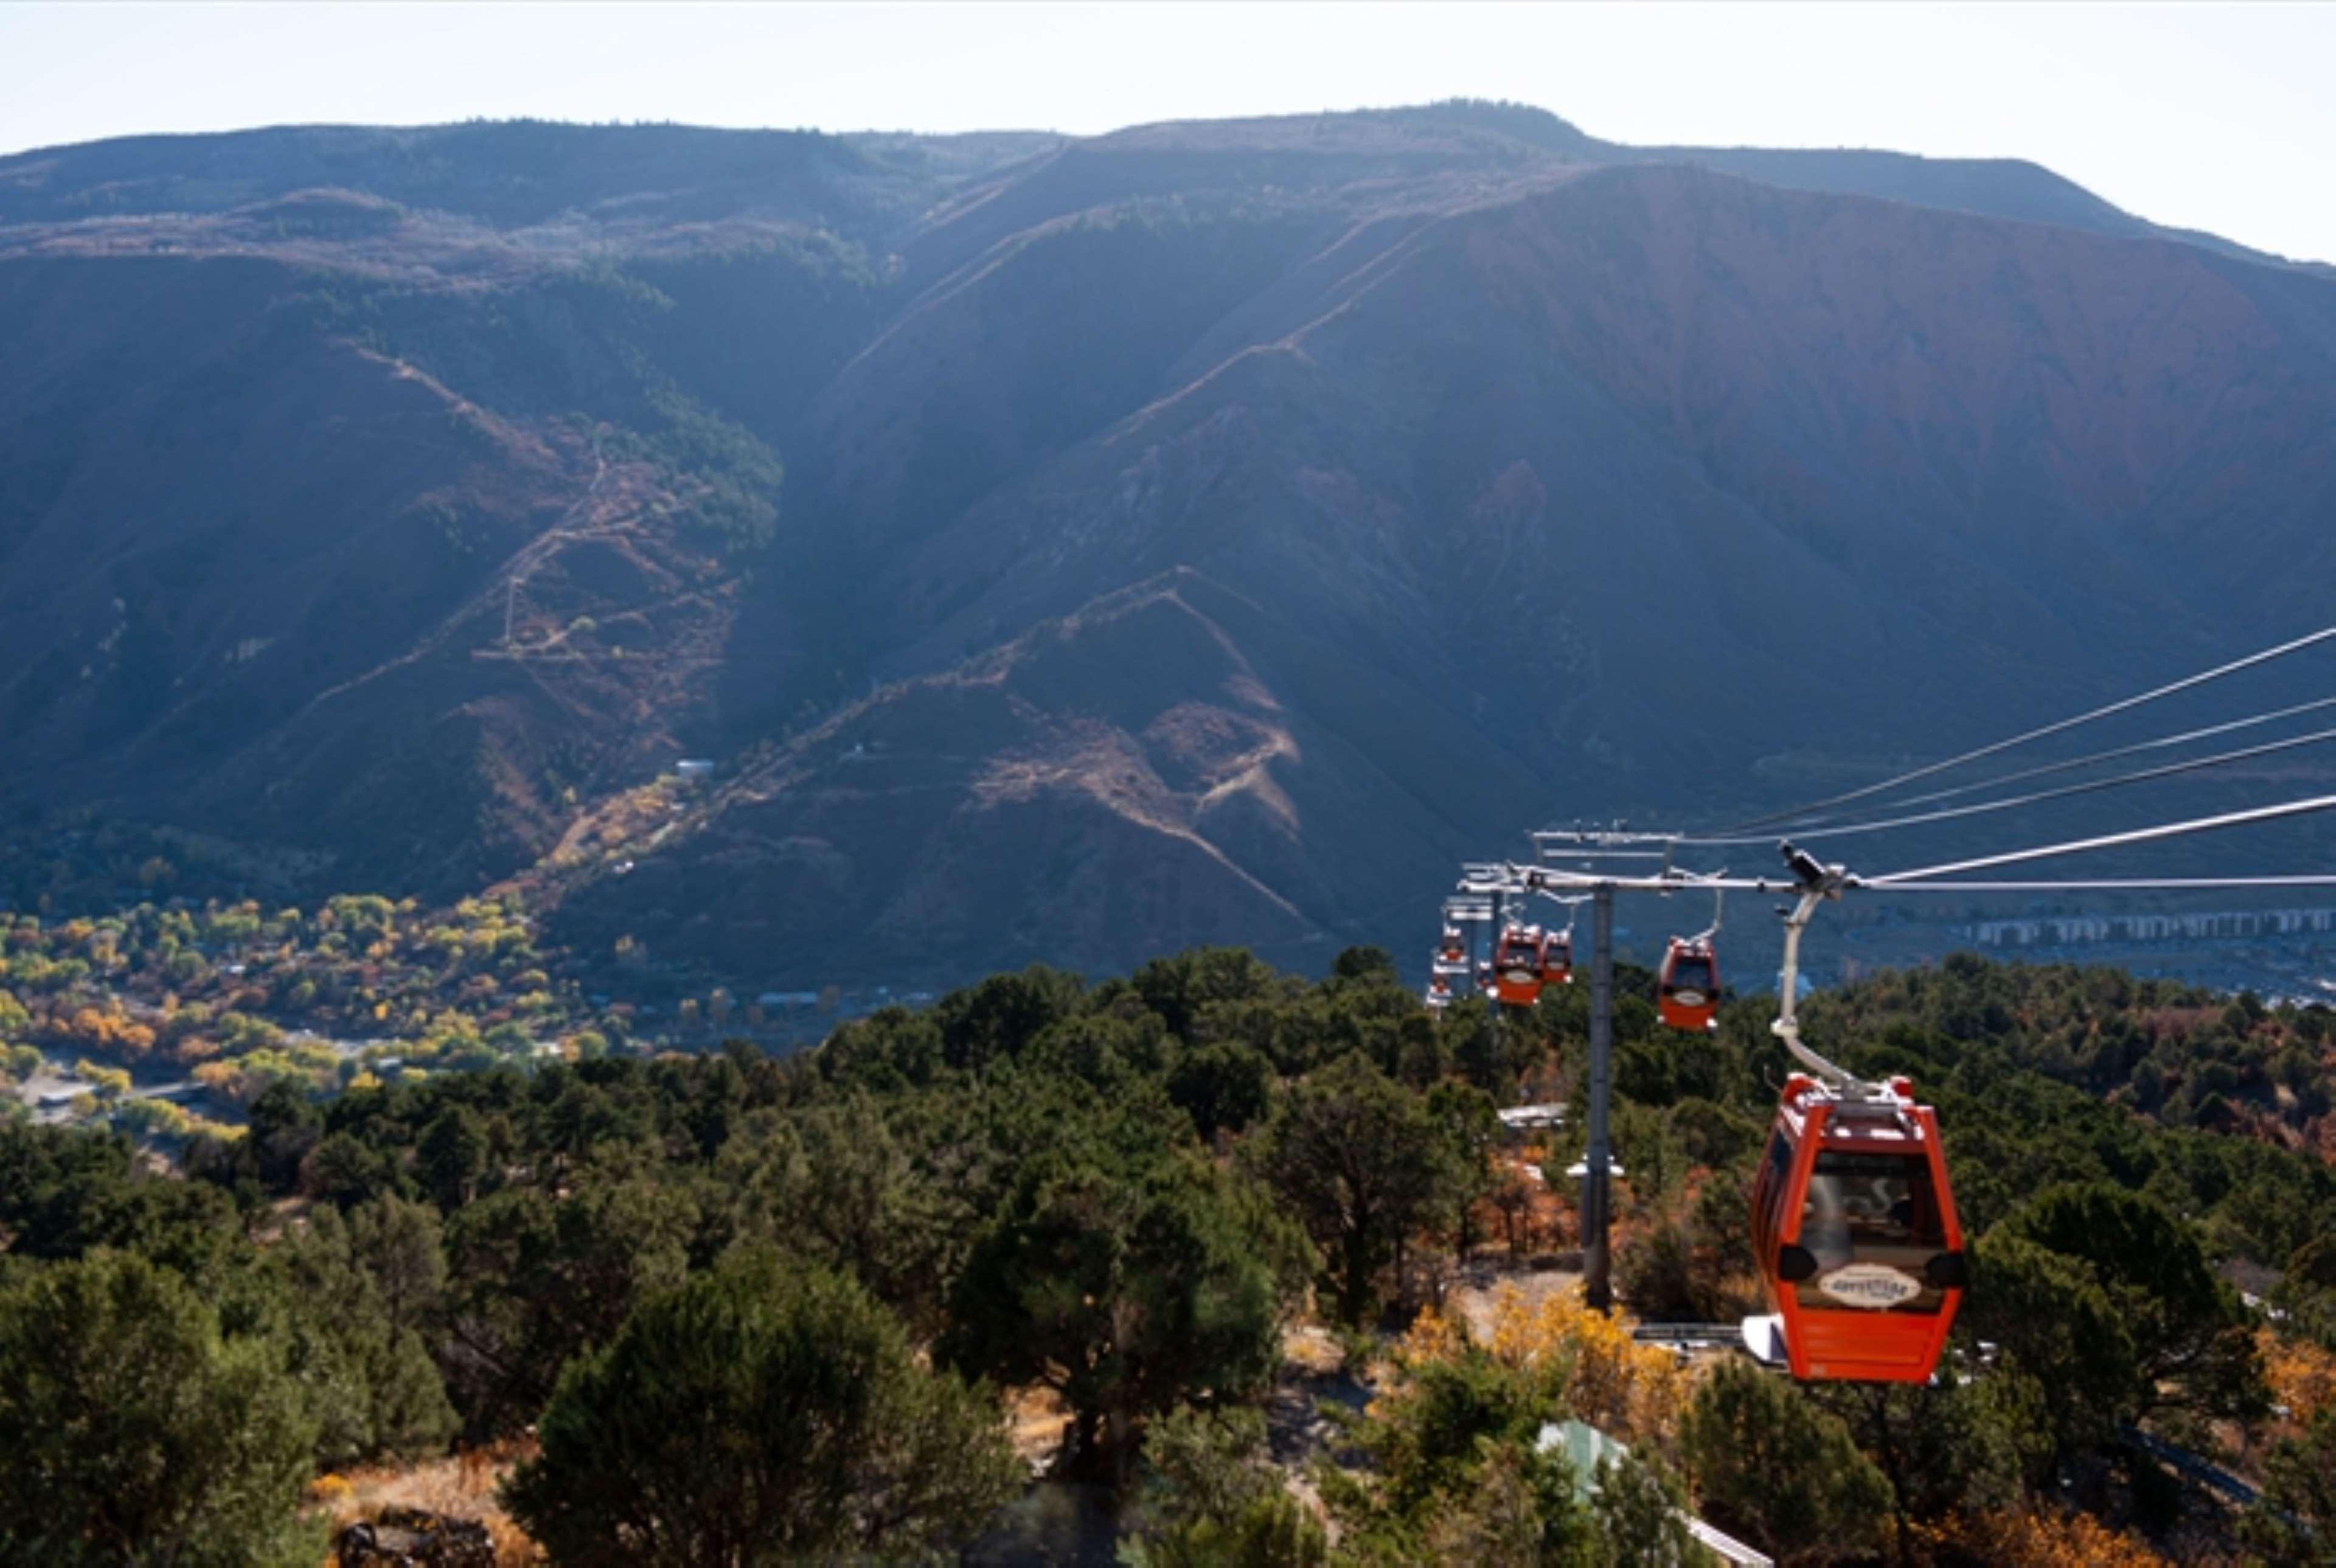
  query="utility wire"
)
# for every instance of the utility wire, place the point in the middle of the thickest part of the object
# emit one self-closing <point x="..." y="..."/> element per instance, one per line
<point x="2110" y="841"/>
<point x="2098" y="884"/>
<point x="2090" y="786"/>
<point x="2120" y="885"/>
<point x="2162" y="742"/>
<point x="1606" y="854"/>
<point x="1795" y="815"/>
<point x="1678" y="882"/>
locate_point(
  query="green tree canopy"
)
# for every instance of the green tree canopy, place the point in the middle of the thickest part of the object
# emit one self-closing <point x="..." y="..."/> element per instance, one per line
<point x="1003" y="1013"/>
<point x="1128" y="1293"/>
<point x="1210" y="1497"/>
<point x="1223" y="1086"/>
<point x="132" y="1432"/>
<point x="2056" y="1324"/>
<point x="539" y="1278"/>
<point x="1357" y="1160"/>
<point x="452" y="1156"/>
<point x="1468" y="1124"/>
<point x="1771" y="1467"/>
<point x="765" y="1411"/>
<point x="369" y="1378"/>
<point x="2190" y="1337"/>
<point x="2298" y="1508"/>
<point x="1185" y="988"/>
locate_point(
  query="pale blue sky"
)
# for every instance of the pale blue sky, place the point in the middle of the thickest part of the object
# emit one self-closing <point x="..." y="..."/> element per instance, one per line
<point x="2216" y="117"/>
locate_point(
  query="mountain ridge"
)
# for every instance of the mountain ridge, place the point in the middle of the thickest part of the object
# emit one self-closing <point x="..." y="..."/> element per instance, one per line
<point x="1997" y="186"/>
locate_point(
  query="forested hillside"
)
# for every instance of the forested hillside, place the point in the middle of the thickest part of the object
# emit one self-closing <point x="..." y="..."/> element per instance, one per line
<point x="1130" y="1232"/>
<point x="1071" y="549"/>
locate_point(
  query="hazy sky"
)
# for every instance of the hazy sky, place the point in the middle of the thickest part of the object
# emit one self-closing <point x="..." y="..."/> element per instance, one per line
<point x="2217" y="117"/>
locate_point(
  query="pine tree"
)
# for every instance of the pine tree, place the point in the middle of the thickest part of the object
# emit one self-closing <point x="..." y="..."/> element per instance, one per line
<point x="763" y="1411"/>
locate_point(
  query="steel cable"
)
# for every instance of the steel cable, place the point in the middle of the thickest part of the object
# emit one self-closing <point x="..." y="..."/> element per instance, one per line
<point x="1794" y="817"/>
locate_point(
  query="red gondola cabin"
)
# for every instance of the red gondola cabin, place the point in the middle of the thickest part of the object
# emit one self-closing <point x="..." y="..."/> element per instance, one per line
<point x="1854" y="1227"/>
<point x="1687" y="990"/>
<point x="1453" y="948"/>
<point x="1517" y="966"/>
<point x="1557" y="959"/>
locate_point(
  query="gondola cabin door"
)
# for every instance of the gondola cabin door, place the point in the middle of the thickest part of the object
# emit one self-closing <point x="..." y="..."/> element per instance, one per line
<point x="1854" y="1225"/>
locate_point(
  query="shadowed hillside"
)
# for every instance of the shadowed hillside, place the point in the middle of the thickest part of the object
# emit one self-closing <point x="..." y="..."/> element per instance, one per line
<point x="1080" y="548"/>
<point x="1167" y="758"/>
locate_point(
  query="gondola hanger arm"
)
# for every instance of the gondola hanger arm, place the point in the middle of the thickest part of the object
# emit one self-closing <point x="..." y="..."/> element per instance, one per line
<point x="1817" y="883"/>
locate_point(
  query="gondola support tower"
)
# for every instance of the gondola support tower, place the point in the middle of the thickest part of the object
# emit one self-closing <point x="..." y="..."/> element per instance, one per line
<point x="1597" y="1259"/>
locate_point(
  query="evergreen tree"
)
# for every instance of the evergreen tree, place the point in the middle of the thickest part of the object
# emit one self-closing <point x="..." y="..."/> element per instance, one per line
<point x="1222" y="1087"/>
<point x="2190" y="1340"/>
<point x="130" y="1432"/>
<point x="1771" y="1467"/>
<point x="762" y="1412"/>
<point x="1469" y="1125"/>
<point x="538" y="1278"/>
<point x="370" y="1380"/>
<point x="1354" y="1156"/>
<point x="1129" y="1294"/>
<point x="2054" y="1324"/>
<point x="1212" y="1496"/>
<point x="453" y="1157"/>
<point x="400" y="1244"/>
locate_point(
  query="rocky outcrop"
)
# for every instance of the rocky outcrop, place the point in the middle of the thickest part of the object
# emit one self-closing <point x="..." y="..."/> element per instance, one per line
<point x="413" y="1538"/>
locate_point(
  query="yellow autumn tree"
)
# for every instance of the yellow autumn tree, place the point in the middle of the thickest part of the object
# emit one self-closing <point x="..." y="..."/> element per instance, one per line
<point x="1631" y="1392"/>
<point x="1460" y="1412"/>
<point x="2031" y="1539"/>
<point x="2303" y="1376"/>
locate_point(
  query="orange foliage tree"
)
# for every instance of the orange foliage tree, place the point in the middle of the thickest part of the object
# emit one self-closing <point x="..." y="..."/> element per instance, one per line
<point x="1631" y="1391"/>
<point x="2303" y="1376"/>
<point x="2032" y="1539"/>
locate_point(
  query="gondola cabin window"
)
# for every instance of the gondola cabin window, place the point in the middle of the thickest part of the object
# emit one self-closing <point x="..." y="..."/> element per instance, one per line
<point x="1691" y="976"/>
<point x="1871" y="1223"/>
<point x="1775" y="1189"/>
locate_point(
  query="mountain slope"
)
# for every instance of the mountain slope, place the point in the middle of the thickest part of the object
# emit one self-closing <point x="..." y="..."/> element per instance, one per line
<point x="1792" y="422"/>
<point x="1138" y="768"/>
<point x="1086" y="546"/>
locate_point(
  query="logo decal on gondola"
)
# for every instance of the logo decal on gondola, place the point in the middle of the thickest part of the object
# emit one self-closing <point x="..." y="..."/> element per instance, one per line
<point x="1870" y="1285"/>
<point x="1519" y="976"/>
<point x="1687" y="998"/>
